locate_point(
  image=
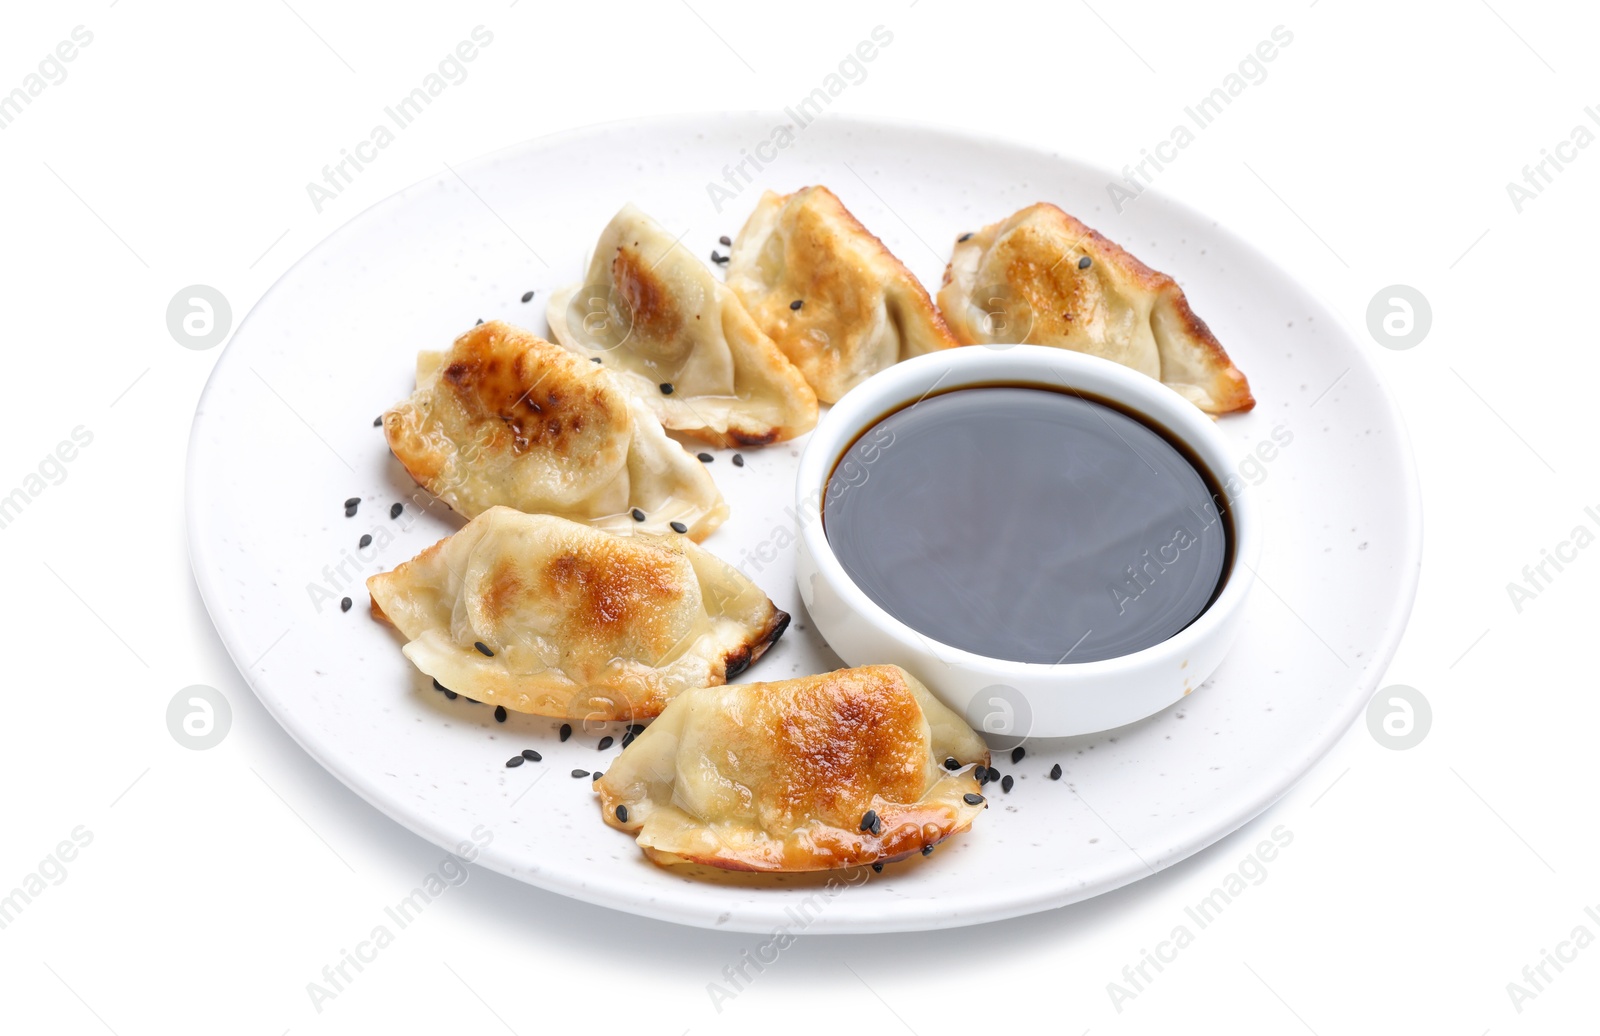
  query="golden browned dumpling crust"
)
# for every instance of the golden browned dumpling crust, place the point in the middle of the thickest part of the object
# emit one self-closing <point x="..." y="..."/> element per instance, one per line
<point x="1041" y="277"/>
<point x="836" y="770"/>
<point x="507" y="418"/>
<point x="859" y="309"/>
<point x="679" y="340"/>
<point x="556" y="618"/>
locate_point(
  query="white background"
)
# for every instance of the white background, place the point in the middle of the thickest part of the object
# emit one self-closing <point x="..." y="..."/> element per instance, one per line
<point x="219" y="883"/>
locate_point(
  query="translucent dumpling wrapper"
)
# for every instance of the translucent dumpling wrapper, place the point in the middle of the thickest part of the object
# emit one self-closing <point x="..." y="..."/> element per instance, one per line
<point x="1043" y="278"/>
<point x="680" y="339"/>
<point x="507" y="418"/>
<point x="836" y="301"/>
<point x="835" y="770"/>
<point x="557" y="618"/>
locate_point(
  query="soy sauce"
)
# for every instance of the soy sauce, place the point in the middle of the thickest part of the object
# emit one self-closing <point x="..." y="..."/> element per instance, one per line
<point x="1029" y="524"/>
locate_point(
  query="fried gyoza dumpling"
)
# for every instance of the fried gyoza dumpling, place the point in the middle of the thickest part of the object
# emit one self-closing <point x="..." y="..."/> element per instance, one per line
<point x="506" y="417"/>
<point x="1042" y="277"/>
<point x="838" y="304"/>
<point x="680" y="339"/>
<point x="836" y="770"/>
<point x="556" y="618"/>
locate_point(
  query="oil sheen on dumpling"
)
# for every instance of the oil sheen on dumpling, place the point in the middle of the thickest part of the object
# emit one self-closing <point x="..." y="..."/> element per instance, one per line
<point x="555" y="618"/>
<point x="680" y="340"/>
<point x="781" y="776"/>
<point x="859" y="310"/>
<point x="506" y="417"/>
<point x="1041" y="277"/>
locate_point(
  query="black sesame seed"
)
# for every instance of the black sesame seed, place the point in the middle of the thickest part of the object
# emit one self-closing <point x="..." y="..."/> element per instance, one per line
<point x="797" y="303"/>
<point x="738" y="460"/>
<point x="605" y="743"/>
<point x="980" y="773"/>
<point x="718" y="257"/>
<point x="483" y="648"/>
<point x="451" y="695"/>
<point x="679" y="527"/>
<point x="353" y="501"/>
<point x="515" y="760"/>
<point x="499" y="713"/>
<point x="636" y="729"/>
<point x="349" y="512"/>
<point x="704" y="458"/>
<point x="972" y="799"/>
<point x="638" y="515"/>
<point x="480" y="320"/>
<point x="532" y="756"/>
<point x="963" y="237"/>
<point x="566" y="731"/>
<point x="1017" y="753"/>
<point x="594" y="359"/>
<point x="878" y="867"/>
<point x="527" y="296"/>
<point x="666" y="388"/>
<point x="365" y="541"/>
<point x="580" y="773"/>
<point x="724" y="240"/>
<point x="1007" y="782"/>
<point x="952" y="763"/>
<point x="1084" y="263"/>
<point x="927" y="850"/>
<point x="447" y="692"/>
<point x="1055" y="772"/>
<point x="597" y="775"/>
<point x="377" y="422"/>
<point x="870" y="821"/>
<point x="622" y="814"/>
<point x="394" y="511"/>
<point x="627" y="739"/>
<point x="344" y="605"/>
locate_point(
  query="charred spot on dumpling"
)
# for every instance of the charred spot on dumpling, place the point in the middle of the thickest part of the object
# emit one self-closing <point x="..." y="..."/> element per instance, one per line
<point x="503" y="589"/>
<point x="842" y="745"/>
<point x="1039" y="295"/>
<point x="736" y="661"/>
<point x="742" y="657"/>
<point x="780" y="622"/>
<point x="648" y="298"/>
<point x="496" y="377"/>
<point x="747" y="439"/>
<point x="615" y="585"/>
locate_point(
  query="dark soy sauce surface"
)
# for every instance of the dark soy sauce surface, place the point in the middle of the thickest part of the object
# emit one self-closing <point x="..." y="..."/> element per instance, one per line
<point x="1028" y="524"/>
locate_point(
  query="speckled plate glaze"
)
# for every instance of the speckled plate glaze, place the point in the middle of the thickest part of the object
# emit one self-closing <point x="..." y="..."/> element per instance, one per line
<point x="284" y="434"/>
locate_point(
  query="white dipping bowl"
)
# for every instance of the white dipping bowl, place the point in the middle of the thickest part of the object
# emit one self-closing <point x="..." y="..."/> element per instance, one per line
<point x="1005" y="699"/>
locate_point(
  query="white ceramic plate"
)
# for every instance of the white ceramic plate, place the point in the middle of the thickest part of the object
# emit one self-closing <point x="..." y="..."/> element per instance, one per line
<point x="284" y="435"/>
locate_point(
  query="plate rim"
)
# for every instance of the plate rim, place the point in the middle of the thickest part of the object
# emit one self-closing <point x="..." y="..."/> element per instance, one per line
<point x="894" y="915"/>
